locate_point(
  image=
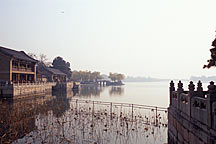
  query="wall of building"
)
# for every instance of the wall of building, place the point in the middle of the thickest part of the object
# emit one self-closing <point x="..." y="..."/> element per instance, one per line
<point x="4" y="67"/>
<point x="192" y="114"/>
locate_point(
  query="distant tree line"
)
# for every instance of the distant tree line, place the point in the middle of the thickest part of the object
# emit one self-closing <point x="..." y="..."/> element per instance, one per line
<point x="64" y="66"/>
<point x="86" y="76"/>
<point x="116" y="77"/>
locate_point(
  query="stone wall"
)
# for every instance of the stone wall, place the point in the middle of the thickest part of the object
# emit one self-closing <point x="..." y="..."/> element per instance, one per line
<point x="23" y="90"/>
<point x="65" y="86"/>
<point x="16" y="91"/>
<point x="20" y="90"/>
<point x="192" y="114"/>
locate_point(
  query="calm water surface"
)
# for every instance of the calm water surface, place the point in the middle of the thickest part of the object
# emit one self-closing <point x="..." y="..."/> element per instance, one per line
<point x="59" y="118"/>
<point x="147" y="93"/>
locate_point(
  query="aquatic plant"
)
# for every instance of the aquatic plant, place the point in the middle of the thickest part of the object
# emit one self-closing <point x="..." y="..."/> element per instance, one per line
<point x="63" y="120"/>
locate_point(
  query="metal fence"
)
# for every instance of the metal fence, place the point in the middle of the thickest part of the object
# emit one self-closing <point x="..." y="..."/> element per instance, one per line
<point x="69" y="120"/>
<point x="153" y="115"/>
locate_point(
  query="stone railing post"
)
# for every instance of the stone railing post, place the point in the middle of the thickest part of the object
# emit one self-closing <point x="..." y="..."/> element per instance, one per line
<point x="191" y="93"/>
<point x="214" y="115"/>
<point x="179" y="91"/>
<point x="172" y="89"/>
<point x="199" y="89"/>
<point x="211" y="97"/>
<point x="191" y="88"/>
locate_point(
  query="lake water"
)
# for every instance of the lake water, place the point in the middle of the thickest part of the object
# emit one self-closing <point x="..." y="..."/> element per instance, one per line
<point x="60" y="118"/>
<point x="147" y="93"/>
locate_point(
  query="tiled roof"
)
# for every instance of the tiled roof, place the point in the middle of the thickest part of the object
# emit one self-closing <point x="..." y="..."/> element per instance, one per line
<point x="17" y="54"/>
<point x="55" y="71"/>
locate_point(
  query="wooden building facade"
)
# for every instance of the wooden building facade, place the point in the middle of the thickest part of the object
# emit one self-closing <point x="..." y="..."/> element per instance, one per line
<point x="16" y="66"/>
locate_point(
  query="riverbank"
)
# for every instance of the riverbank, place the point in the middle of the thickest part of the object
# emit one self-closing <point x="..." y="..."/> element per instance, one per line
<point x="22" y="90"/>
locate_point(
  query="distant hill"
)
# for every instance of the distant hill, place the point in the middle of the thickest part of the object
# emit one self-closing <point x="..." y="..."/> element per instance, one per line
<point x="203" y="78"/>
<point x="143" y="79"/>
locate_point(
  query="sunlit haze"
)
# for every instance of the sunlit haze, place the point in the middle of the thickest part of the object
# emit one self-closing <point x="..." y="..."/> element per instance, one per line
<point x="156" y="38"/>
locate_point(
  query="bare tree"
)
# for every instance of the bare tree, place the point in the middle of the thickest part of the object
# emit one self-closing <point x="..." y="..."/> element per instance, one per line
<point x="33" y="55"/>
<point x="43" y="58"/>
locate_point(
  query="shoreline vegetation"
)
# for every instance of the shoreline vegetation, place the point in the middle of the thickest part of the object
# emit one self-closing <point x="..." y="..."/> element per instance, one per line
<point x="95" y="78"/>
<point x="88" y="77"/>
<point x="83" y="77"/>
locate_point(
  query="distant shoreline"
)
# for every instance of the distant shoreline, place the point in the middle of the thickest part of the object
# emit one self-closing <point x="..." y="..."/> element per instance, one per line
<point x="146" y="81"/>
<point x="131" y="79"/>
<point x="149" y="79"/>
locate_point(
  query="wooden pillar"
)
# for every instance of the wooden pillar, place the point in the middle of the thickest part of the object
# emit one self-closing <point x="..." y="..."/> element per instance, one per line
<point x="18" y="63"/>
<point x="18" y="78"/>
<point x="35" y="73"/>
<point x="26" y="78"/>
<point x="10" y="70"/>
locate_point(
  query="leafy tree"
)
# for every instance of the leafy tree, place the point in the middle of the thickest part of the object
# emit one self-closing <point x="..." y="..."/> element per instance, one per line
<point x="112" y="76"/>
<point x="120" y="77"/>
<point x="96" y="76"/>
<point x="76" y="76"/>
<point x="116" y="77"/>
<point x="212" y="61"/>
<point x="60" y="64"/>
<point x="86" y="76"/>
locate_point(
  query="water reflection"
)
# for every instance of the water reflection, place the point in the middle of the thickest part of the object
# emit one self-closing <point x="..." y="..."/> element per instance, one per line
<point x="116" y="91"/>
<point x="12" y="123"/>
<point x="60" y="118"/>
<point x="89" y="91"/>
<point x="17" y="117"/>
<point x="57" y="118"/>
<point x="66" y="94"/>
<point x="95" y="91"/>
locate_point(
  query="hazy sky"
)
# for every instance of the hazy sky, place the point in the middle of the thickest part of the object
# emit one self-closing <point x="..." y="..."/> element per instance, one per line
<point x="157" y="38"/>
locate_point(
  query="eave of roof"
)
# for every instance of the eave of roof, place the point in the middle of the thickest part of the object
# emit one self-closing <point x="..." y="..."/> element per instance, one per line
<point x="17" y="54"/>
<point x="55" y="71"/>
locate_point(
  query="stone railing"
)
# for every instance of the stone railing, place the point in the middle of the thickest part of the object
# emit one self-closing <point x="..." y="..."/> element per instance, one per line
<point x="192" y="114"/>
<point x="35" y="83"/>
<point x="24" y="69"/>
<point x="194" y="104"/>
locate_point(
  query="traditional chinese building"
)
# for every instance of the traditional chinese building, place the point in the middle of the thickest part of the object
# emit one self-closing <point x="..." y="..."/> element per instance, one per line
<point x="48" y="74"/>
<point x="16" y="66"/>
